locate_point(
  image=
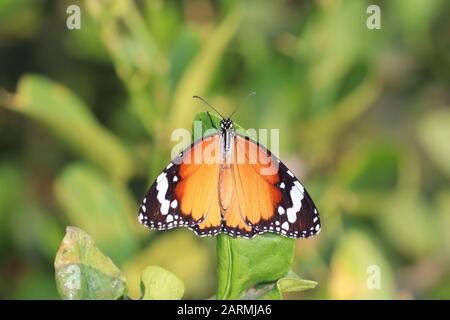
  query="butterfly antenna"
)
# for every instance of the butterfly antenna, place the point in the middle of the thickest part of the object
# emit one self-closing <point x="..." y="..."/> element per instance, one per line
<point x="251" y="94"/>
<point x="206" y="102"/>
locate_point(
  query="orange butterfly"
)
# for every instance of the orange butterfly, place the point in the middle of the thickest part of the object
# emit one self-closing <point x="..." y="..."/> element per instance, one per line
<point x="228" y="183"/>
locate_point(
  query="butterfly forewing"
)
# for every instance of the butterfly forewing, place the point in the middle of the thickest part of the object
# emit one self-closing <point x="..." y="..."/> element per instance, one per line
<point x="160" y="207"/>
<point x="184" y="193"/>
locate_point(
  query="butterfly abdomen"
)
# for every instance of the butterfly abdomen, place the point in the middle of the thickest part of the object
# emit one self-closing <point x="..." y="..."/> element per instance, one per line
<point x="225" y="186"/>
<point x="225" y="174"/>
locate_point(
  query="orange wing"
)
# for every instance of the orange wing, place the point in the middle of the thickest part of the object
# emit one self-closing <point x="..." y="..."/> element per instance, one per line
<point x="268" y="197"/>
<point x="186" y="193"/>
<point x="255" y="195"/>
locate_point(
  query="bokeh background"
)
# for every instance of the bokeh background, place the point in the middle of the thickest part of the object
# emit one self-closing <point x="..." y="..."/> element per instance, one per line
<point x="86" y="117"/>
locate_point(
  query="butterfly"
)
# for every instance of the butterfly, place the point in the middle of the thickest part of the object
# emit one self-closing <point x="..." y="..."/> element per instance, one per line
<point x="228" y="183"/>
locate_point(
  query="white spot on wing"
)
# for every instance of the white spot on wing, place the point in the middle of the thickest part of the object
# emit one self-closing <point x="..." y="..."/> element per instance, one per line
<point x="174" y="203"/>
<point x="290" y="173"/>
<point x="280" y="210"/>
<point x="282" y="185"/>
<point x="299" y="186"/>
<point x="162" y="186"/>
<point x="160" y="177"/>
<point x="296" y="197"/>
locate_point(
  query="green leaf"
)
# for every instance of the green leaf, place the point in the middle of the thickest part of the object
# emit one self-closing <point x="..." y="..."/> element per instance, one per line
<point x="83" y="272"/>
<point x="103" y="209"/>
<point x="65" y="114"/>
<point x="243" y="263"/>
<point x="291" y="282"/>
<point x="434" y="134"/>
<point x="159" y="284"/>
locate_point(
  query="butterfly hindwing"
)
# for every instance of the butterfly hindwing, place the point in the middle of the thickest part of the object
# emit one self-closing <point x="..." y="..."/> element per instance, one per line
<point x="233" y="224"/>
<point x="296" y="215"/>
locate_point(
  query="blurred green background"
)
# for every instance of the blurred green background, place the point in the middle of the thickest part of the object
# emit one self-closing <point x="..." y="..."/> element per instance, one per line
<point x="86" y="117"/>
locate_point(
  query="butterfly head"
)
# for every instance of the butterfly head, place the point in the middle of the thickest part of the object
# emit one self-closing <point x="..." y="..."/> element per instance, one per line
<point x="226" y="124"/>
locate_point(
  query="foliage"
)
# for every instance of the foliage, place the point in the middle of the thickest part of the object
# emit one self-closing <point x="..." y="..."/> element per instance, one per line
<point x="83" y="272"/>
<point x="256" y="269"/>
